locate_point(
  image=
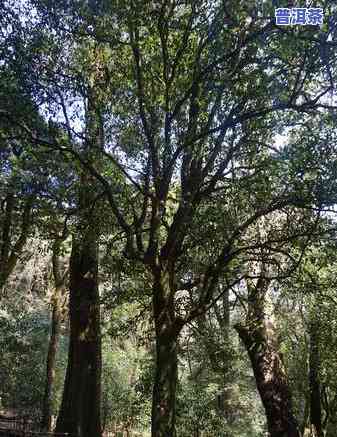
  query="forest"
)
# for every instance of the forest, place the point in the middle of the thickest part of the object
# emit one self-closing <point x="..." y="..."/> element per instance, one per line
<point x="168" y="232"/>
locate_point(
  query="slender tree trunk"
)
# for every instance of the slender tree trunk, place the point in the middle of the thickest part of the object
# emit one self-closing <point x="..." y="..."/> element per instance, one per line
<point x="224" y="322"/>
<point x="46" y="422"/>
<point x="314" y="384"/>
<point x="303" y="428"/>
<point x="259" y="339"/>
<point x="165" y="382"/>
<point x="56" y="320"/>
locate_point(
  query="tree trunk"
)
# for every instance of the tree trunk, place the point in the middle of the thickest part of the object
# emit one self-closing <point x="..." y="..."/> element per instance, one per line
<point x="260" y="341"/>
<point x="46" y="421"/>
<point x="165" y="382"/>
<point x="314" y="384"/>
<point x="224" y="323"/>
<point x="59" y="283"/>
<point x="80" y="413"/>
<point x="80" y="409"/>
<point x="272" y="384"/>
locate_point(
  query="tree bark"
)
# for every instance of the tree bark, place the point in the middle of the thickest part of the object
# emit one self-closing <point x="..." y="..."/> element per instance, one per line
<point x="167" y="330"/>
<point x="259" y="339"/>
<point x="80" y="409"/>
<point x="80" y="413"/>
<point x="56" y="320"/>
<point x="46" y="421"/>
<point x="314" y="384"/>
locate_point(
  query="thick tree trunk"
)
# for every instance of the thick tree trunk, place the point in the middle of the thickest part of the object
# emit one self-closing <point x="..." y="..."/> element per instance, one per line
<point x="259" y="339"/>
<point x="272" y="384"/>
<point x="80" y="413"/>
<point x="80" y="409"/>
<point x="167" y="331"/>
<point x="46" y="421"/>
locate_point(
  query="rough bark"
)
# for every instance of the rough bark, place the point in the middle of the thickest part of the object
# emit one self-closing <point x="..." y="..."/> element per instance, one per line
<point x="259" y="339"/>
<point x="80" y="413"/>
<point x="80" y="409"/>
<point x="167" y="330"/>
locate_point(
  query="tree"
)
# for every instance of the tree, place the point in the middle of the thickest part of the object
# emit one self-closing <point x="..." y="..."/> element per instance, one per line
<point x="80" y="412"/>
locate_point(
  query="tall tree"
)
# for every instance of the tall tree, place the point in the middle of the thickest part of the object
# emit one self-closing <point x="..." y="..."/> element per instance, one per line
<point x="80" y="412"/>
